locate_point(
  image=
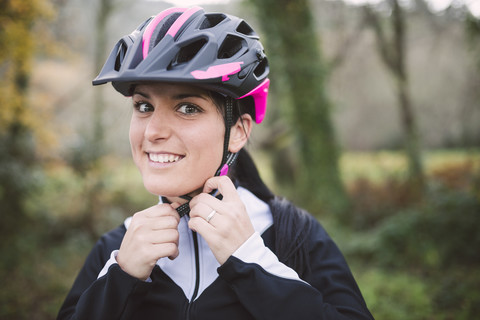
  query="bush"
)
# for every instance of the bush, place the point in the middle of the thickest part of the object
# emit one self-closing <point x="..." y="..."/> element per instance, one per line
<point x="456" y="294"/>
<point x="373" y="202"/>
<point x="434" y="247"/>
<point x="442" y="232"/>
<point x="395" y="295"/>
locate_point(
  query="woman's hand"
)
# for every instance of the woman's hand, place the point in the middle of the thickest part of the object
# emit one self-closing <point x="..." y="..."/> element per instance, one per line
<point x="152" y="234"/>
<point x="229" y="227"/>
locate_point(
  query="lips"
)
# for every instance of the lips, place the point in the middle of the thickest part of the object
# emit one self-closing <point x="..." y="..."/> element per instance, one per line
<point x="164" y="158"/>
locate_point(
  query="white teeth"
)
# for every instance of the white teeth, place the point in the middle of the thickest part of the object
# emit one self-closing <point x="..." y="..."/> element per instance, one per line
<point x="163" y="158"/>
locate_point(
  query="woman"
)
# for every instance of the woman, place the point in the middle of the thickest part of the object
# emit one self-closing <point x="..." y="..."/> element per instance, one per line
<point x="219" y="245"/>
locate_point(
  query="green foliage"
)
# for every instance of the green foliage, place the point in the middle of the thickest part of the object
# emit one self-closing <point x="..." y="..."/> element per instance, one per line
<point x="379" y="188"/>
<point x="17" y="146"/>
<point x="395" y="295"/>
<point x="22" y="283"/>
<point x="63" y="220"/>
<point x="17" y="48"/>
<point x="34" y="287"/>
<point x="440" y="232"/>
<point x="421" y="254"/>
<point x="456" y="294"/>
<point x="90" y="201"/>
<point x="373" y="202"/>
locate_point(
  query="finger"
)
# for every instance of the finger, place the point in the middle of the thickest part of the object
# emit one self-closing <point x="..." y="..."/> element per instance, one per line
<point x="175" y="205"/>
<point x="162" y="209"/>
<point x="210" y="216"/>
<point x="163" y="236"/>
<point x="174" y="255"/>
<point x="168" y="249"/>
<point x="201" y="226"/>
<point x="202" y="208"/>
<point x="165" y="243"/>
<point x="165" y="222"/>
<point x="174" y="251"/>
<point x="223" y="184"/>
<point x="217" y="241"/>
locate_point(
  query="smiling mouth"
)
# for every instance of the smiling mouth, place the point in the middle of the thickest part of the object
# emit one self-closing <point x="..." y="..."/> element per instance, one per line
<point x="164" y="158"/>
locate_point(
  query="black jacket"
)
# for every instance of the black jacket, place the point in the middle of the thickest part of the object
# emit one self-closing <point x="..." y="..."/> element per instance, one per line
<point x="251" y="284"/>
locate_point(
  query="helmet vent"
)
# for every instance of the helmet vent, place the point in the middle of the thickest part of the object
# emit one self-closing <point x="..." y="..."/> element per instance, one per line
<point x="122" y="50"/>
<point x="162" y="29"/>
<point x="245" y="29"/>
<point x="230" y="46"/>
<point x="261" y="69"/>
<point x="211" y="20"/>
<point x="188" y="52"/>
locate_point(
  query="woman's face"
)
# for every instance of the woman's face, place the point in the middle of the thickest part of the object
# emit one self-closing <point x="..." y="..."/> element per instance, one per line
<point x="176" y="136"/>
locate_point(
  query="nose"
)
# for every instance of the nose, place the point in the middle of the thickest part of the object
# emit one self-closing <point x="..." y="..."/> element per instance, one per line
<point x="158" y="127"/>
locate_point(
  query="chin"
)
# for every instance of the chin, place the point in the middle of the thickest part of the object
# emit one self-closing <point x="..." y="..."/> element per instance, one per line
<point x="159" y="189"/>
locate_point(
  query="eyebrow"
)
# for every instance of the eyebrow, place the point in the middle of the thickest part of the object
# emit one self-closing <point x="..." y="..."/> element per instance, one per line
<point x="182" y="96"/>
<point x="179" y="96"/>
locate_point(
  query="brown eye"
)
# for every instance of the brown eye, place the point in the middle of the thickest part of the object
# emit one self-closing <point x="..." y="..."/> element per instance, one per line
<point x="143" y="107"/>
<point x="188" y="109"/>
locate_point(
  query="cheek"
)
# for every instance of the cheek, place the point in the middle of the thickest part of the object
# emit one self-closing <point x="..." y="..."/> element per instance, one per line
<point x="209" y="144"/>
<point x="135" y="135"/>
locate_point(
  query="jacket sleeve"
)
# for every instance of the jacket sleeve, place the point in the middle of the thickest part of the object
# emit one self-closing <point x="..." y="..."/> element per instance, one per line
<point x="111" y="296"/>
<point x="269" y="291"/>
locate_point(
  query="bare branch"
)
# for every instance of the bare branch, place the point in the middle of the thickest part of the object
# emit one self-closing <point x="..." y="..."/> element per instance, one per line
<point x="383" y="44"/>
<point x="346" y="45"/>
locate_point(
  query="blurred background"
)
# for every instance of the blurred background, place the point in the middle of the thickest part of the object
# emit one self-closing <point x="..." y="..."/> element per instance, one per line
<point x="373" y="125"/>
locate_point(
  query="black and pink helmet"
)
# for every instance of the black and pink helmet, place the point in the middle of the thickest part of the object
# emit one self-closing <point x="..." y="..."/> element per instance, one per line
<point x="215" y="51"/>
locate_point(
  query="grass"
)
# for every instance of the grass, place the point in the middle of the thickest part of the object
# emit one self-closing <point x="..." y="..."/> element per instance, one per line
<point x="376" y="166"/>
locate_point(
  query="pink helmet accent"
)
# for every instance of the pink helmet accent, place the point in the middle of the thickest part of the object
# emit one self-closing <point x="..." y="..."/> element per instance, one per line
<point x="181" y="20"/>
<point x="259" y="95"/>
<point x="172" y="31"/>
<point x="147" y="35"/>
<point x="221" y="70"/>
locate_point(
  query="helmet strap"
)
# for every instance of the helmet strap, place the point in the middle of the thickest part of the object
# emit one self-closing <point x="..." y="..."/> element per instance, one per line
<point x="228" y="158"/>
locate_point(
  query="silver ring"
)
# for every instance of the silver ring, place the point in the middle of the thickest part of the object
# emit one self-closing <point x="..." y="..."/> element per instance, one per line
<point x="210" y="216"/>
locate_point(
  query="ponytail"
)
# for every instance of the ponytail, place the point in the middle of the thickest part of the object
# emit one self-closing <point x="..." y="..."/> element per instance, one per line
<point x="291" y="224"/>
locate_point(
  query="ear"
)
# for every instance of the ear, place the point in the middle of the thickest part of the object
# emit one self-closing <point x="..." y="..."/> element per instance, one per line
<point x="240" y="132"/>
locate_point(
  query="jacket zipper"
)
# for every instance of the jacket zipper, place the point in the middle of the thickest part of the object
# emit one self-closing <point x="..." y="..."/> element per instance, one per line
<point x="197" y="266"/>
<point x="197" y="273"/>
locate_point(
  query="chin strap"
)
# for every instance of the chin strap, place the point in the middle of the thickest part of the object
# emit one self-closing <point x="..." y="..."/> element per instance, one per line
<point x="184" y="209"/>
<point x="228" y="158"/>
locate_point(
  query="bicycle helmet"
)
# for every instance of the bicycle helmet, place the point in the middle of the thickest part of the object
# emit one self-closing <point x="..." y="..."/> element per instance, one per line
<point x="215" y="51"/>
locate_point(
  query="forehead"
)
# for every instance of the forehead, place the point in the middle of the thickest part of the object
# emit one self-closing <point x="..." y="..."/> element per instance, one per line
<point x="170" y="90"/>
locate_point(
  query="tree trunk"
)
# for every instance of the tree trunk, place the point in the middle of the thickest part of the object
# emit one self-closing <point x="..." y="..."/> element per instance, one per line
<point x="293" y="43"/>
<point x="104" y="12"/>
<point x="393" y="54"/>
<point x="17" y="144"/>
<point x="472" y="27"/>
